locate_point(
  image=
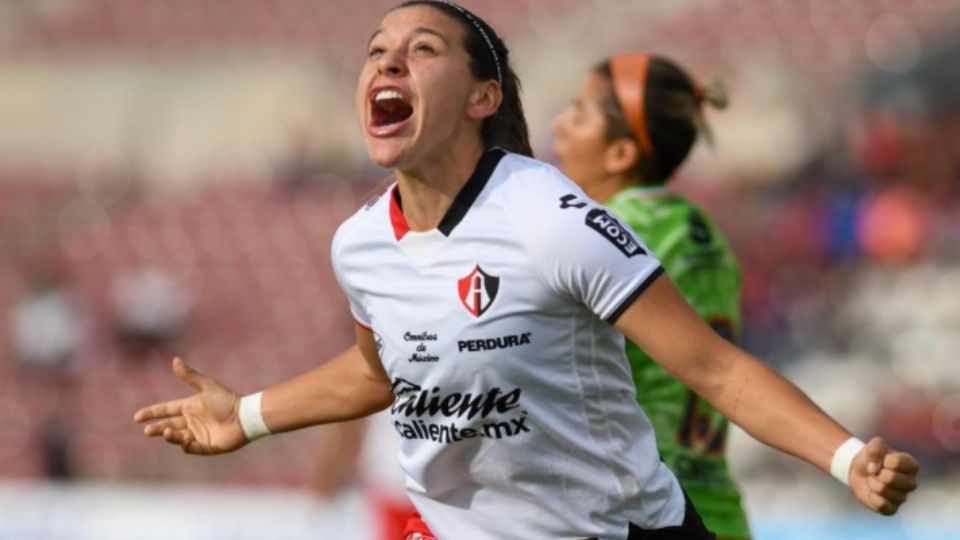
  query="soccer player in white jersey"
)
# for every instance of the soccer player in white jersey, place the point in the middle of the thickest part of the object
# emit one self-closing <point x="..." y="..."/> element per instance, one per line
<point x="490" y="296"/>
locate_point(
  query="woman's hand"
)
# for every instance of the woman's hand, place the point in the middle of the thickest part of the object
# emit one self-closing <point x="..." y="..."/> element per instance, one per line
<point x="205" y="423"/>
<point x="881" y="478"/>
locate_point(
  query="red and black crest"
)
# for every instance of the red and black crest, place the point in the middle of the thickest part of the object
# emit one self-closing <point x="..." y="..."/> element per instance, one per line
<point x="478" y="290"/>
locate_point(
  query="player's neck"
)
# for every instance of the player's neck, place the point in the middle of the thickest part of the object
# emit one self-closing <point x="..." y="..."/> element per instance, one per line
<point x="428" y="190"/>
<point x="605" y="189"/>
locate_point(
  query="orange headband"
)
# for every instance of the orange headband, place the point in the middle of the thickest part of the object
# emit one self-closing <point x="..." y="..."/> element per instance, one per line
<point x="629" y="74"/>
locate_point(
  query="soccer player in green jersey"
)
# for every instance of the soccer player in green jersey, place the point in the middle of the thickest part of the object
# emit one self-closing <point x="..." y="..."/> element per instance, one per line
<point x="621" y="139"/>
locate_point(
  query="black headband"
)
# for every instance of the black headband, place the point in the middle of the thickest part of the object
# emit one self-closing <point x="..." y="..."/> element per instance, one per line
<point x="483" y="33"/>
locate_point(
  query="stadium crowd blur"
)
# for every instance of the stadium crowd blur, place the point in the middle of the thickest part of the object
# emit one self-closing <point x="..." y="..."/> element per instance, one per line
<point x="172" y="172"/>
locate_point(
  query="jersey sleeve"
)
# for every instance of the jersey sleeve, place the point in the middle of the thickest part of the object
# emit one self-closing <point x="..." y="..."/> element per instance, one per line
<point x="582" y="250"/>
<point x="341" y="269"/>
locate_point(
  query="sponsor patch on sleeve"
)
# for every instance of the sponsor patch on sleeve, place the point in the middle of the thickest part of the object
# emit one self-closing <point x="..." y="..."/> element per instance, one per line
<point x="608" y="227"/>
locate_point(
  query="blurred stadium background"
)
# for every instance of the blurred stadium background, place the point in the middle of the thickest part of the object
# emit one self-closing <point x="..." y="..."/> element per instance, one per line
<point x="172" y="171"/>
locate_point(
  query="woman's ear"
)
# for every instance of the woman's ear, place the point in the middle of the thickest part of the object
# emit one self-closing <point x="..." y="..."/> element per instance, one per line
<point x="622" y="155"/>
<point x="485" y="100"/>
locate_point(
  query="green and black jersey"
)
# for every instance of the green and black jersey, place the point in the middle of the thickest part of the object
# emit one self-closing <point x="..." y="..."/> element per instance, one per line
<point x="691" y="434"/>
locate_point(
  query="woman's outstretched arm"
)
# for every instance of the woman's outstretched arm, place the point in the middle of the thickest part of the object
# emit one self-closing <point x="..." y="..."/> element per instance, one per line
<point x="349" y="386"/>
<point x="759" y="400"/>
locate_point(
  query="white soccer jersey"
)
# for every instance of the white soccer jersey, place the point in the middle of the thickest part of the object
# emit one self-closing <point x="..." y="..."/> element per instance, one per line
<point x="514" y="400"/>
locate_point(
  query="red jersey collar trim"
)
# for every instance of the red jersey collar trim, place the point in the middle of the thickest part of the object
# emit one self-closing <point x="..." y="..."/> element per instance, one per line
<point x="399" y="223"/>
<point x="461" y="203"/>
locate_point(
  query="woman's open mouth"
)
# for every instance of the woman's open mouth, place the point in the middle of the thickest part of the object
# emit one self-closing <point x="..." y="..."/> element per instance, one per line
<point x="389" y="112"/>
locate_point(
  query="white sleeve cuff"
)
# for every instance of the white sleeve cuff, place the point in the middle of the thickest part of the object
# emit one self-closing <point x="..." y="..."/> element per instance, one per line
<point x="251" y="419"/>
<point x="843" y="459"/>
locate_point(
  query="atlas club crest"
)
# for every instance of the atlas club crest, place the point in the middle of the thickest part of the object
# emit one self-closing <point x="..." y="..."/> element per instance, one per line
<point x="478" y="290"/>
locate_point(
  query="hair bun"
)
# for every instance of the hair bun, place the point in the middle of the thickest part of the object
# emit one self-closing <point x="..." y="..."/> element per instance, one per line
<point x="714" y="93"/>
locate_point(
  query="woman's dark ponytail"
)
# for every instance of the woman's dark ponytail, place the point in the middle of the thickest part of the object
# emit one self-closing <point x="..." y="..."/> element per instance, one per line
<point x="672" y="114"/>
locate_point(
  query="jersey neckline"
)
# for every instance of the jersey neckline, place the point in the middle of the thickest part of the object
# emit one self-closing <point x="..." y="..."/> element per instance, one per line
<point x="461" y="203"/>
<point x="643" y="192"/>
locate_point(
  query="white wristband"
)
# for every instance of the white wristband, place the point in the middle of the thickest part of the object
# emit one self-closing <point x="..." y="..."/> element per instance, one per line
<point x="251" y="419"/>
<point x="843" y="459"/>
